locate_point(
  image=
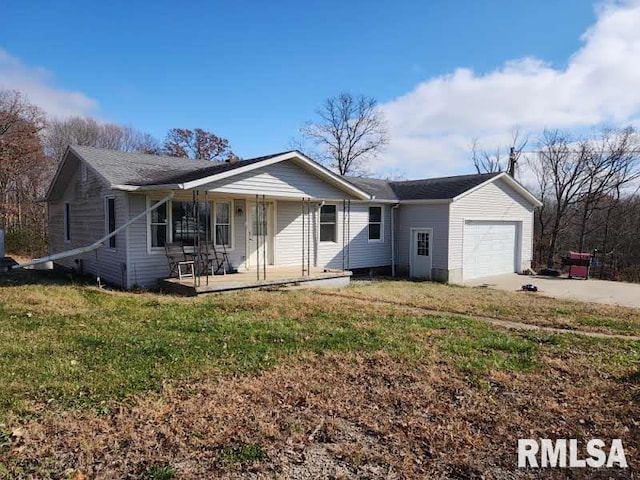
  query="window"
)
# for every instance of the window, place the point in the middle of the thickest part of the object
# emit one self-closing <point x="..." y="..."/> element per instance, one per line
<point x="110" y="219"/>
<point x="67" y="223"/>
<point x="328" y="216"/>
<point x="375" y="224"/>
<point x="423" y="244"/>
<point x="158" y="224"/>
<point x="83" y="172"/>
<point x="186" y="221"/>
<point x="223" y="224"/>
<point x="189" y="221"/>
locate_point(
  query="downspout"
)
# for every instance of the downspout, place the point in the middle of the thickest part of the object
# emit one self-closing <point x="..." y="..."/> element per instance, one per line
<point x="393" y="240"/>
<point x="316" y="231"/>
<point x="94" y="245"/>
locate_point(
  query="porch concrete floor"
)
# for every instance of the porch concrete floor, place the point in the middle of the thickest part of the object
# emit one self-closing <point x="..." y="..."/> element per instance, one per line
<point x="276" y="276"/>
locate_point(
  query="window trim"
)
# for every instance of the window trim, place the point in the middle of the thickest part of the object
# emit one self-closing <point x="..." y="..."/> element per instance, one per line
<point x="320" y="223"/>
<point x="84" y="172"/>
<point x="150" y="200"/>
<point x="66" y="223"/>
<point x="107" y="231"/>
<point x="214" y="223"/>
<point x="150" y="248"/>
<point x="381" y="223"/>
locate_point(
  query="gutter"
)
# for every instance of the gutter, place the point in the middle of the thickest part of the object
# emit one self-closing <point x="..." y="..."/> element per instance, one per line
<point x="94" y="245"/>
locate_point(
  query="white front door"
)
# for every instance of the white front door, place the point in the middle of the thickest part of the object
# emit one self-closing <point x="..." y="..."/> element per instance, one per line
<point x="421" y="252"/>
<point x="259" y="242"/>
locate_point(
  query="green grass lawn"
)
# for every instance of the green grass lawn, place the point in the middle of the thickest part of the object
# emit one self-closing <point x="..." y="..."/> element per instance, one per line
<point x="75" y="346"/>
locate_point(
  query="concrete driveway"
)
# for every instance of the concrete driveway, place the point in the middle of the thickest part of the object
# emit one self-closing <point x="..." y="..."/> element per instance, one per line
<point x="598" y="291"/>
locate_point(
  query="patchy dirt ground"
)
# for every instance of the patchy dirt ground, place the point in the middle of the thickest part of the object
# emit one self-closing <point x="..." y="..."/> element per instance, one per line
<point x="339" y="416"/>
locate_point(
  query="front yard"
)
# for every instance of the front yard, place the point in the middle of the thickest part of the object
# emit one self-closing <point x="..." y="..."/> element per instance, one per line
<point x="385" y="379"/>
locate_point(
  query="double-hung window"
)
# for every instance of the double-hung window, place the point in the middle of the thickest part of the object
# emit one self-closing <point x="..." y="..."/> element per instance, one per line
<point x="158" y="224"/>
<point x="110" y="219"/>
<point x="328" y="223"/>
<point x="222" y="224"/>
<point x="375" y="224"/>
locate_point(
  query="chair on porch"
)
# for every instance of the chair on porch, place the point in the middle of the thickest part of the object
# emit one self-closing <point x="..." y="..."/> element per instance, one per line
<point x="212" y="260"/>
<point x="179" y="264"/>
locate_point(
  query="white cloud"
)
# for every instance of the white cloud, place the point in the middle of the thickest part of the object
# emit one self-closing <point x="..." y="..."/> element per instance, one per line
<point x="36" y="83"/>
<point x="432" y="127"/>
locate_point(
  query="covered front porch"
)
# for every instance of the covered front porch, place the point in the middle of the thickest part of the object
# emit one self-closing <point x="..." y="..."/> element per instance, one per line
<point x="271" y="277"/>
<point x="261" y="224"/>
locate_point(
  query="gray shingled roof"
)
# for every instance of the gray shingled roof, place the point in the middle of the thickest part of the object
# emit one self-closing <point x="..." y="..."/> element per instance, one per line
<point x="380" y="189"/>
<point x="217" y="167"/>
<point x="126" y="168"/>
<point x="444" y="188"/>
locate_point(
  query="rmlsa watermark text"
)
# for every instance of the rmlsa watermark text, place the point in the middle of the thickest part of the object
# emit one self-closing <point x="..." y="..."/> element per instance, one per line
<point x="567" y="453"/>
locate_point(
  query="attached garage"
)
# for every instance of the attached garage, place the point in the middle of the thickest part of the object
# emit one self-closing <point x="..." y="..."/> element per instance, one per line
<point x="461" y="228"/>
<point x="490" y="248"/>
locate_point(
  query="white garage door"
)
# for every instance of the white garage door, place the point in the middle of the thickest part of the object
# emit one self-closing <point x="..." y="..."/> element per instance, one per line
<point x="490" y="248"/>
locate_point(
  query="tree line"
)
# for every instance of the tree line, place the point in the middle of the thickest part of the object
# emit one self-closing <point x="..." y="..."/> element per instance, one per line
<point x="31" y="145"/>
<point x="589" y="186"/>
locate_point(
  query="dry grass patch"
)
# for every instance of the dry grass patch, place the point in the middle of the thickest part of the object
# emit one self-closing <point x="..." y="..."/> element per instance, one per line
<point x="340" y="416"/>
<point x="517" y="306"/>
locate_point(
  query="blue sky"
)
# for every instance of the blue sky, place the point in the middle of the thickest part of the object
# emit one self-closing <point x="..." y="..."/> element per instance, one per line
<point x="253" y="72"/>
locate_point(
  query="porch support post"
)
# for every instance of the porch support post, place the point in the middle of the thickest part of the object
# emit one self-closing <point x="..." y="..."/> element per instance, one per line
<point x="302" y="258"/>
<point x="265" y="234"/>
<point x="256" y="235"/>
<point x="348" y="234"/>
<point x="344" y="232"/>
<point x="207" y="206"/>
<point x="194" y="212"/>
<point x="309" y="238"/>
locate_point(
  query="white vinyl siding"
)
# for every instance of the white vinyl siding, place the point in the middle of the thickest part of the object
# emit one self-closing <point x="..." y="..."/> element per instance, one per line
<point x="284" y="179"/>
<point x="362" y="254"/>
<point x="433" y="216"/>
<point x="87" y="220"/>
<point x="495" y="202"/>
<point x="288" y="240"/>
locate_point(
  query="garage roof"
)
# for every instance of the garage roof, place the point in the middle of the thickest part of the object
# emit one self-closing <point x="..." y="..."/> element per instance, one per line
<point x="443" y="188"/>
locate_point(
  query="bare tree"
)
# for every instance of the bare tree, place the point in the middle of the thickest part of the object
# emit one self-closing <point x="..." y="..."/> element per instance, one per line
<point x="563" y="164"/>
<point x="497" y="160"/>
<point x="611" y="164"/>
<point x="350" y="131"/>
<point x="87" y="131"/>
<point x="23" y="171"/>
<point x="197" y="143"/>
